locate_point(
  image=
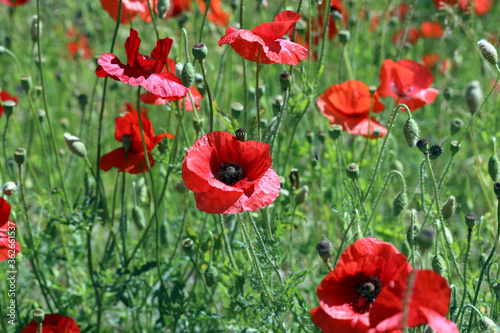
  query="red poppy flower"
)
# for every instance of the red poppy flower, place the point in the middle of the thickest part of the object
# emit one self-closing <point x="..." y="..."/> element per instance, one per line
<point x="133" y="162"/>
<point x="150" y="98"/>
<point x="337" y="9"/>
<point x="401" y="11"/>
<point x="228" y="176"/>
<point x="432" y="30"/>
<point x="428" y="304"/>
<point x="8" y="246"/>
<point x="77" y="43"/>
<point x="267" y="37"/>
<point x="411" y="37"/>
<point x="216" y="15"/>
<point x="13" y="3"/>
<point x="53" y="323"/>
<point x="407" y="82"/>
<point x="374" y="22"/>
<point x="481" y="7"/>
<point x="440" y="4"/>
<point x="5" y="96"/>
<point x="430" y="60"/>
<point x="348" y="104"/>
<point x="348" y="294"/>
<point x="143" y="70"/>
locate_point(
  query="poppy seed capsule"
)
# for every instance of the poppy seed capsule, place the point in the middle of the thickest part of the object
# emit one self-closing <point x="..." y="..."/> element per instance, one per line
<point x="439" y="265"/>
<point x="75" y="145"/>
<point x="138" y="218"/>
<point x="310" y="136"/>
<point x="324" y="249"/>
<point x="187" y="77"/>
<point x="334" y="131"/>
<point x="38" y="316"/>
<point x="435" y="151"/>
<point x="26" y="83"/>
<point x="377" y="132"/>
<point x="277" y="104"/>
<point x="456" y="125"/>
<point x="486" y="325"/>
<point x="301" y="195"/>
<point x="496" y="289"/>
<point x="241" y="134"/>
<point x="352" y="171"/>
<point x="425" y="239"/>
<point x="400" y="203"/>
<point x="211" y="275"/>
<point x="455" y="147"/>
<point x="200" y="51"/>
<point x="34" y="28"/>
<point x="187" y="245"/>
<point x="411" y="132"/>
<point x="286" y="80"/>
<point x="82" y="101"/>
<point x="127" y="141"/>
<point x="448" y="93"/>
<point x="19" y="156"/>
<point x="344" y="36"/>
<point x="473" y="96"/>
<point x="496" y="188"/>
<point x="178" y="69"/>
<point x="321" y="136"/>
<point x="423" y="145"/>
<point x="494" y="168"/>
<point x="470" y="220"/>
<point x="8" y="107"/>
<point x="236" y="110"/>
<point x="448" y="207"/>
<point x="488" y="51"/>
<point x="163" y="6"/>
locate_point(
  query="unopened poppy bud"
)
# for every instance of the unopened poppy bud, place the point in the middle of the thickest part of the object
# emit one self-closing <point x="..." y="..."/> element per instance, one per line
<point x="455" y="147"/>
<point x="344" y="36"/>
<point x="200" y="51"/>
<point x="9" y="188"/>
<point x="211" y="275"/>
<point x="41" y="114"/>
<point x="400" y="203"/>
<point x="178" y="69"/>
<point x="294" y="178"/>
<point x="488" y="51"/>
<point x="448" y="93"/>
<point x="377" y="132"/>
<point x="187" y="245"/>
<point x="486" y="325"/>
<point x="352" y="171"/>
<point x="82" y="101"/>
<point x="334" y="131"/>
<point x="321" y="136"/>
<point x="473" y="96"/>
<point x="435" y="151"/>
<point x="423" y="145"/>
<point x="138" y="217"/>
<point x="241" y="134"/>
<point x="180" y="187"/>
<point x="425" y="239"/>
<point x="494" y="168"/>
<point x="75" y="145"/>
<point x="198" y="124"/>
<point x="496" y="289"/>
<point x="34" y="28"/>
<point x="38" y="316"/>
<point x="496" y="188"/>
<point x="19" y="156"/>
<point x="439" y="265"/>
<point x="8" y="107"/>
<point x="470" y="220"/>
<point x="187" y="76"/>
<point x="286" y="80"/>
<point x="163" y="6"/>
<point x="456" y="125"/>
<point x="397" y="165"/>
<point x="26" y="83"/>
<point x="310" y="136"/>
<point x="236" y="110"/>
<point x="448" y="207"/>
<point x="301" y="195"/>
<point x="324" y="249"/>
<point x="127" y="140"/>
<point x="277" y="104"/>
<point x="411" y="132"/>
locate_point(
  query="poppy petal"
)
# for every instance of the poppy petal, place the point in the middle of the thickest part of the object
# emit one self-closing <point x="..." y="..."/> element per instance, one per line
<point x="283" y="22"/>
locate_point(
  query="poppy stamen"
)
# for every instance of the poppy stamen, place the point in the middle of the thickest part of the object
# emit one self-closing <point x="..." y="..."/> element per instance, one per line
<point x="369" y="288"/>
<point x="230" y="173"/>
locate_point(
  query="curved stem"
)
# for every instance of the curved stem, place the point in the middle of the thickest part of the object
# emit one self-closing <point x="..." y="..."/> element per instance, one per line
<point x="466" y="261"/>
<point x="207" y="7"/>
<point x="153" y="18"/>
<point x="227" y="243"/>
<point x="207" y="87"/>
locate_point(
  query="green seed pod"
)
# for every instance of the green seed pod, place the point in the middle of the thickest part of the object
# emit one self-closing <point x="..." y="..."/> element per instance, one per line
<point x="178" y="69"/>
<point x="335" y="131"/>
<point x="423" y="145"/>
<point x="344" y="36"/>
<point x="448" y="235"/>
<point x="416" y="232"/>
<point x="411" y="132"/>
<point x="376" y="133"/>
<point x="34" y="28"/>
<point x="8" y="107"/>
<point x="310" y="136"/>
<point x="163" y="6"/>
<point x="286" y="81"/>
<point x="448" y="93"/>
<point x="138" y="217"/>
<point x="486" y="325"/>
<point x="277" y="104"/>
<point x="142" y="190"/>
<point x="324" y="249"/>
<point x="456" y="125"/>
<point x="435" y="151"/>
<point x="200" y="51"/>
<point x="439" y="265"/>
<point x="473" y="96"/>
<point x="425" y="239"/>
<point x="321" y="136"/>
<point x="448" y="207"/>
<point x="187" y="76"/>
<point x="75" y="145"/>
<point x="38" y="316"/>
<point x="397" y="165"/>
<point x="400" y="203"/>
<point x="198" y="124"/>
<point x="494" y="168"/>
<point x="236" y="110"/>
<point x="455" y="147"/>
<point x="26" y="83"/>
<point x="470" y="220"/>
<point x="211" y="275"/>
<point x="352" y="171"/>
<point x="496" y="289"/>
<point x="301" y="195"/>
<point x="187" y="245"/>
<point x="488" y="51"/>
<point x="496" y="188"/>
<point x="19" y="156"/>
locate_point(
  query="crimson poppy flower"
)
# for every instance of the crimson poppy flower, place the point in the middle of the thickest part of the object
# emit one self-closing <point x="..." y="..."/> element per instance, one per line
<point x="481" y="7"/>
<point x="430" y="60"/>
<point x="143" y="70"/>
<point x="216" y="14"/>
<point x="440" y="4"/>
<point x="348" y="294"/>
<point x="128" y="128"/>
<point x="130" y="9"/>
<point x="428" y="304"/>
<point x="407" y="82"/>
<point x="5" y="96"/>
<point x="13" y="3"/>
<point x="348" y="104"/>
<point x="411" y="37"/>
<point x="77" y="43"/>
<point x="267" y="38"/>
<point x="228" y="176"/>
<point x="8" y="245"/>
<point x="432" y="30"/>
<point x="150" y="98"/>
<point x="53" y="323"/>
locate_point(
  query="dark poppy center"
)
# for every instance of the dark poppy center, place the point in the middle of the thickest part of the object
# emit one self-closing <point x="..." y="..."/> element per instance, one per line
<point x="230" y="173"/>
<point x="367" y="288"/>
<point x="400" y="94"/>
